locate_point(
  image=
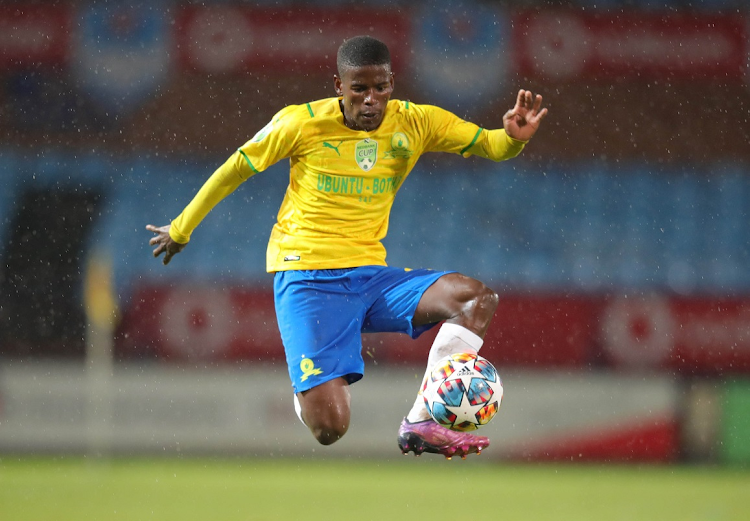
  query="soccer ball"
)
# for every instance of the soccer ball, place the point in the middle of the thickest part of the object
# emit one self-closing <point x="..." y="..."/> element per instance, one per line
<point x="463" y="392"/>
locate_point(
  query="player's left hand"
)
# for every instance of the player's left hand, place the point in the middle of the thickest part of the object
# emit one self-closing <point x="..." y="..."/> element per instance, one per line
<point x="164" y="243"/>
<point x="523" y="120"/>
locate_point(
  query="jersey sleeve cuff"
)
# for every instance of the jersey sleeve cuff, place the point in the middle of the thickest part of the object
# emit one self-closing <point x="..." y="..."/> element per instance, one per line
<point x="515" y="144"/>
<point x="178" y="237"/>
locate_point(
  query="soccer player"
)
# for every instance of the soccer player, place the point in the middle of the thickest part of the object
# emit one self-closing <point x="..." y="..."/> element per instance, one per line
<point x="348" y="157"/>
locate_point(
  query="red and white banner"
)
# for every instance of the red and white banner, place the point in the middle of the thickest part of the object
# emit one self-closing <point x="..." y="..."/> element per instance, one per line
<point x="691" y="335"/>
<point x="34" y="34"/>
<point x="200" y="323"/>
<point x="680" y="334"/>
<point x="565" y="45"/>
<point x="554" y="44"/>
<point x="236" y="38"/>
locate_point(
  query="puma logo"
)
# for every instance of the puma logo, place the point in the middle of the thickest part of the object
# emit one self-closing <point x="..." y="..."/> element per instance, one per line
<point x="326" y="144"/>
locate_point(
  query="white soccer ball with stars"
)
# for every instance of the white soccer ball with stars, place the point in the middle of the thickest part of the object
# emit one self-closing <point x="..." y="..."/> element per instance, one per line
<point x="463" y="392"/>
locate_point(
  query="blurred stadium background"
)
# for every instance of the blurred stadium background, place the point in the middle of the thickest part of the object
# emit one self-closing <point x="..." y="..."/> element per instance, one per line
<point x="619" y="240"/>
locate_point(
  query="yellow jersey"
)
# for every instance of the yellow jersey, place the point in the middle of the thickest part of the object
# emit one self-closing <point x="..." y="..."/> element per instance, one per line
<point x="342" y="182"/>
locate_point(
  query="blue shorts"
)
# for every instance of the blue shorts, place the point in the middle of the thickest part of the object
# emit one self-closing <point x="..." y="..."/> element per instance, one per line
<point x="323" y="313"/>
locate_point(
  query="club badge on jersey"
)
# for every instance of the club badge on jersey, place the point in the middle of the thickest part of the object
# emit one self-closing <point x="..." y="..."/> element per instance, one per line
<point x="399" y="147"/>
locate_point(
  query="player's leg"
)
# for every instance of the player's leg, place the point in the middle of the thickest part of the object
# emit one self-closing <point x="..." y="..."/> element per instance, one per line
<point x="325" y="409"/>
<point x="413" y="301"/>
<point x="467" y="307"/>
<point x="320" y="320"/>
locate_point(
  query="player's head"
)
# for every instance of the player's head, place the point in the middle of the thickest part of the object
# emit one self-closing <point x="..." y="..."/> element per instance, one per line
<point x="360" y="51"/>
<point x="364" y="81"/>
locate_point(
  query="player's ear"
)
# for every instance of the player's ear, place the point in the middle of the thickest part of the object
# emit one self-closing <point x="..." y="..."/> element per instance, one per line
<point x="337" y="85"/>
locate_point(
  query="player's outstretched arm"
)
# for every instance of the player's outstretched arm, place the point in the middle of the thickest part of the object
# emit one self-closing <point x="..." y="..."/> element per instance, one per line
<point x="164" y="243"/>
<point x="522" y="121"/>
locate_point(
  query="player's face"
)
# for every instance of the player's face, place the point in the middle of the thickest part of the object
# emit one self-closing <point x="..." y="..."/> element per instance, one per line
<point x="365" y="93"/>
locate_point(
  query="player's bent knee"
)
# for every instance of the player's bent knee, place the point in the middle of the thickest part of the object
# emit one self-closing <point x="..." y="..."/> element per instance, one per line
<point x="464" y="290"/>
<point x="478" y="298"/>
<point x="326" y="410"/>
<point x="483" y="306"/>
<point x="327" y="436"/>
<point x="330" y="431"/>
<point x="473" y="304"/>
<point x="488" y="298"/>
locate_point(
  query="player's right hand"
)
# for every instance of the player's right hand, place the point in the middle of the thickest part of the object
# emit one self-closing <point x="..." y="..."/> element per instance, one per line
<point x="164" y="243"/>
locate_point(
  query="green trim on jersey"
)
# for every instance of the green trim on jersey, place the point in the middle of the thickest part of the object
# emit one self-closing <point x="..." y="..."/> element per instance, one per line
<point x="406" y="105"/>
<point x="476" y="136"/>
<point x="255" y="170"/>
<point x="309" y="109"/>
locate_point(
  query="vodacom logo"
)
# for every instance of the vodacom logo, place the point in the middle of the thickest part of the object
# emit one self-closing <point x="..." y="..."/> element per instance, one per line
<point x="638" y="331"/>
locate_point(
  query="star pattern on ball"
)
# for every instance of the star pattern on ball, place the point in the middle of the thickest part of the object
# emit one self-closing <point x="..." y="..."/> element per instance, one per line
<point x="466" y="412"/>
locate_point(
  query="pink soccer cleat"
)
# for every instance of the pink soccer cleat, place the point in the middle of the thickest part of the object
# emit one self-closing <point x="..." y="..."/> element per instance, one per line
<point x="428" y="436"/>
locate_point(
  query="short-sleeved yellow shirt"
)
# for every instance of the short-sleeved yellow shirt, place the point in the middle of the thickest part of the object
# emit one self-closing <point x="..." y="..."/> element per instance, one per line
<point x="342" y="182"/>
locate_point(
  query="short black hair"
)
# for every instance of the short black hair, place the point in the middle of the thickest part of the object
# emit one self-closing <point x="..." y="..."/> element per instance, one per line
<point x="359" y="51"/>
